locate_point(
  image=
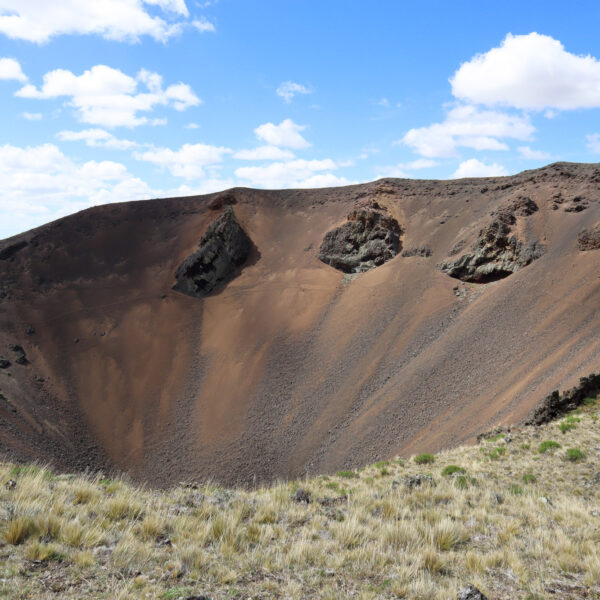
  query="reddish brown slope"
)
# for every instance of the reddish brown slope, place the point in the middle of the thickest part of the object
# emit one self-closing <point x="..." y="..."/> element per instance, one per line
<point x="293" y="367"/>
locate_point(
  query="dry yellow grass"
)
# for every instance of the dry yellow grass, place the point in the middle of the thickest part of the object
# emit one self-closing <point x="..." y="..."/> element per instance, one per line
<point x="514" y="521"/>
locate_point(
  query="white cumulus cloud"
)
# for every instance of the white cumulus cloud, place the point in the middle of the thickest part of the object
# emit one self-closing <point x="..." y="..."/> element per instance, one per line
<point x="11" y="69"/>
<point x="188" y="162"/>
<point x="40" y="183"/>
<point x="288" y="89"/>
<point x="203" y="25"/>
<point x="593" y="142"/>
<point x="286" y="134"/>
<point x="108" y="97"/>
<point x="476" y="168"/>
<point x="530" y="154"/>
<point x="123" y="20"/>
<point x="96" y="138"/>
<point x="294" y="173"/>
<point x="32" y="116"/>
<point x="470" y="127"/>
<point x="402" y="169"/>
<point x="532" y="72"/>
<point x="264" y="153"/>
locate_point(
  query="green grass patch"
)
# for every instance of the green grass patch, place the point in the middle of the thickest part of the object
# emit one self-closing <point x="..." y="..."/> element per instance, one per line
<point x="589" y="401"/>
<point x="451" y="469"/>
<point x="575" y="454"/>
<point x="515" y="490"/>
<point x="496" y="453"/>
<point x="495" y="438"/>
<point x="548" y="445"/>
<point x="348" y="474"/>
<point x="529" y="478"/>
<point x="424" y="459"/>
<point x="569" y="423"/>
<point x="176" y="592"/>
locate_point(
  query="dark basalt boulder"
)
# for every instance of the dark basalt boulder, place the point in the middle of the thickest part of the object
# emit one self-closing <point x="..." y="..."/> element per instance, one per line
<point x="19" y="353"/>
<point x="224" y="249"/>
<point x="367" y="240"/>
<point x="555" y="404"/>
<point x="589" y="239"/>
<point x="422" y="251"/>
<point x="497" y="253"/>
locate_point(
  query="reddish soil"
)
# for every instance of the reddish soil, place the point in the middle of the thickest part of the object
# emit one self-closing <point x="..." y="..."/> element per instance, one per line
<point x="293" y="368"/>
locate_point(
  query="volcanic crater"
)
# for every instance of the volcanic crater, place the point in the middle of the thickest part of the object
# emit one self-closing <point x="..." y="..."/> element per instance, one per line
<point x="253" y="335"/>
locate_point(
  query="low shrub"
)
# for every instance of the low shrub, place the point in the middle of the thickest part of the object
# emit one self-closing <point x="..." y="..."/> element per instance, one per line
<point x="529" y="478"/>
<point x="424" y="459"/>
<point x="451" y="469"/>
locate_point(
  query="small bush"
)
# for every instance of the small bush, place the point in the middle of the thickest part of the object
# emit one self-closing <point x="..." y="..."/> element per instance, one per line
<point x="548" y="445"/>
<point x="424" y="459"/>
<point x="575" y="454"/>
<point x="529" y="478"/>
<point x="348" y="474"/>
<point x="451" y="469"/>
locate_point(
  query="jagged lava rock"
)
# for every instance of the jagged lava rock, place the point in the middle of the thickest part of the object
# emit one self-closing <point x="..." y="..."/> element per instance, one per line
<point x="496" y="253"/>
<point x="367" y="240"/>
<point x="589" y="239"/>
<point x="20" y="356"/>
<point x="470" y="592"/>
<point x="224" y="249"/>
<point x="556" y="404"/>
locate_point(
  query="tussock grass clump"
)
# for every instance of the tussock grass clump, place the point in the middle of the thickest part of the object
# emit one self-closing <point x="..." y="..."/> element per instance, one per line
<point x="548" y="445"/>
<point x="452" y="469"/>
<point x="19" y="529"/>
<point x="507" y="516"/>
<point x="568" y="424"/>
<point x="424" y="459"/>
<point x="575" y="454"/>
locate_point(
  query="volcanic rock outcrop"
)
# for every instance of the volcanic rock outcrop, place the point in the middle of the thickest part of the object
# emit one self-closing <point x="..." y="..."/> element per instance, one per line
<point x="224" y="249"/>
<point x="498" y="252"/>
<point x="555" y="404"/>
<point x="368" y="239"/>
<point x="589" y="239"/>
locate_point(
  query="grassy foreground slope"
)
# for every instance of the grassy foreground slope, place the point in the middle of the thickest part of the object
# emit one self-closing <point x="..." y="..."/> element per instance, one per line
<point x="517" y="515"/>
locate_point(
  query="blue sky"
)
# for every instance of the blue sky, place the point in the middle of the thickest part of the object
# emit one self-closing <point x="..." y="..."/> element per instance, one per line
<point x="112" y="100"/>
